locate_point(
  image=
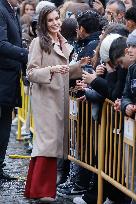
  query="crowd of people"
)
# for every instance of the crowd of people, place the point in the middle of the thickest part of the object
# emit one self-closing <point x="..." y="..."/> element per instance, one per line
<point x="54" y="46"/>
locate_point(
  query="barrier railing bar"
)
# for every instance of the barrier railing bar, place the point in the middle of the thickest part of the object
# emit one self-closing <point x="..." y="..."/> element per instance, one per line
<point x="84" y="165"/>
<point x="133" y="159"/>
<point x="82" y="131"/>
<point x="101" y="155"/>
<point x="86" y="149"/>
<point x="119" y="149"/>
<point x="111" y="136"/>
<point x="118" y="186"/>
<point x="91" y="132"/>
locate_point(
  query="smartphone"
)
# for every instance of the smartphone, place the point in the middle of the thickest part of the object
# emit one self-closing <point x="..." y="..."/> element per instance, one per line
<point x="88" y="68"/>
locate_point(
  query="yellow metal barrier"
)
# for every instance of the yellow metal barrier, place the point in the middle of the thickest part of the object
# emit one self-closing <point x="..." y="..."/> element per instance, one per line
<point x="104" y="147"/>
<point x="83" y="132"/>
<point x="105" y="141"/>
<point x="119" y="151"/>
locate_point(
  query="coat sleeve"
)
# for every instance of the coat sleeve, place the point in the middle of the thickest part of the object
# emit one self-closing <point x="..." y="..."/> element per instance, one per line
<point x="7" y="49"/>
<point x="100" y="85"/>
<point x="75" y="71"/>
<point x="93" y="96"/>
<point x="117" y="90"/>
<point x="127" y="97"/>
<point x="35" y="72"/>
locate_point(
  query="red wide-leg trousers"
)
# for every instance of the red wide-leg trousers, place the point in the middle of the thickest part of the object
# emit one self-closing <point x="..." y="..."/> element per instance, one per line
<point x="41" y="178"/>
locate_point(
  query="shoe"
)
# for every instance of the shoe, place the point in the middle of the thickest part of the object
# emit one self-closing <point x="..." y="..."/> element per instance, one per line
<point x="79" y="200"/>
<point x="29" y="148"/>
<point x="108" y="201"/>
<point x="15" y="121"/>
<point x="61" y="178"/>
<point x="27" y="137"/>
<point x="74" y="190"/>
<point x="7" y="177"/>
<point x="47" y="200"/>
<point x="89" y="197"/>
<point x="24" y="132"/>
<point x="65" y="185"/>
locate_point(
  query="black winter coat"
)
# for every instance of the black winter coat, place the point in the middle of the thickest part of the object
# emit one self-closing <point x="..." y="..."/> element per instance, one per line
<point x="84" y="48"/>
<point x="129" y="95"/>
<point x="12" y="56"/>
<point x="112" y="86"/>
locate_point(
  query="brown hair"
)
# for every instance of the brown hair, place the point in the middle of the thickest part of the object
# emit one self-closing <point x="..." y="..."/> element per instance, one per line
<point x="45" y="39"/>
<point x="23" y="5"/>
<point x="26" y="19"/>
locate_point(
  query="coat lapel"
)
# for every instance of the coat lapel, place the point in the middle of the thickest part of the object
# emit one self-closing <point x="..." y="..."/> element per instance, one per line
<point x="67" y="49"/>
<point x="58" y="50"/>
<point x="65" y="52"/>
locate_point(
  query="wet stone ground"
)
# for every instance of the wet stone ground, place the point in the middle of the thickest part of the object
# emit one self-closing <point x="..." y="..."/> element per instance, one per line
<point x="12" y="192"/>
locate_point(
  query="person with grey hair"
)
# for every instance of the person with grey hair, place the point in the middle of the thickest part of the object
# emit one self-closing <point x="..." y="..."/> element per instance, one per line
<point x="115" y="11"/>
<point x="41" y="4"/>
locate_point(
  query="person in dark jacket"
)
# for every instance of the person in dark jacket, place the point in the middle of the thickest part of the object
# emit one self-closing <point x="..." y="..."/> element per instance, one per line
<point x="87" y="40"/>
<point x="129" y="95"/>
<point x="128" y="102"/>
<point x="12" y="59"/>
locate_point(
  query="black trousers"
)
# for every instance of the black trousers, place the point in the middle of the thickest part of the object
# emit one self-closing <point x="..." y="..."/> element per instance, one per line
<point x="5" y="128"/>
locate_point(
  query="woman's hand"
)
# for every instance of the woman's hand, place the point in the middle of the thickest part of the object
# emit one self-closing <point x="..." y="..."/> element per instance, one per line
<point x="97" y="5"/>
<point x="100" y="70"/>
<point x="82" y="98"/>
<point x="80" y="85"/>
<point x="130" y="109"/>
<point x="117" y="105"/>
<point x="88" y="78"/>
<point x="62" y="69"/>
<point x="85" y="60"/>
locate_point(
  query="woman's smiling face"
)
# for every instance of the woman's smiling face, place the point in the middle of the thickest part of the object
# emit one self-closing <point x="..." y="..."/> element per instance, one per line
<point x="53" y="22"/>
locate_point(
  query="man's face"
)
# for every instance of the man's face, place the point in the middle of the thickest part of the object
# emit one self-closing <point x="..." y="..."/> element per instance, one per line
<point x="111" y="11"/>
<point x="13" y="2"/>
<point x="131" y="25"/>
<point x="132" y="52"/>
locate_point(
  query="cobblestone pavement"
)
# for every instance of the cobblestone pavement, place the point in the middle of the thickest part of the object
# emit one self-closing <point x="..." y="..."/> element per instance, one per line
<point x="12" y="192"/>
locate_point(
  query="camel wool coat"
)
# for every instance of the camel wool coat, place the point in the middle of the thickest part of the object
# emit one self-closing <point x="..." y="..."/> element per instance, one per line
<point x="50" y="98"/>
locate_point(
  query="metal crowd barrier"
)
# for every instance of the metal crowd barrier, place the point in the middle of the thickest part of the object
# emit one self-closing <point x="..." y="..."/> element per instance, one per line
<point x="105" y="146"/>
<point x="117" y="148"/>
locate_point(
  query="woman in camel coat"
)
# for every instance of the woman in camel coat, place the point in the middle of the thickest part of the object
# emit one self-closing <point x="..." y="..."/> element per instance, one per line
<point x="49" y="71"/>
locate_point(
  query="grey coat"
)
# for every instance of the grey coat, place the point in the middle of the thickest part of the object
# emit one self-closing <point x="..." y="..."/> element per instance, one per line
<point x="50" y="99"/>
